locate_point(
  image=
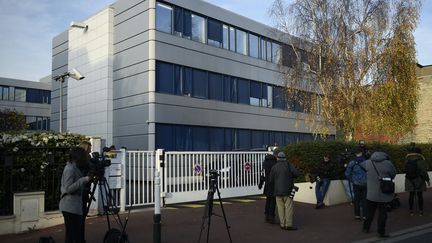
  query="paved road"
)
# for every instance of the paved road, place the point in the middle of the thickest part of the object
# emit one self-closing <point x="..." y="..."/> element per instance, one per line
<point x="182" y="224"/>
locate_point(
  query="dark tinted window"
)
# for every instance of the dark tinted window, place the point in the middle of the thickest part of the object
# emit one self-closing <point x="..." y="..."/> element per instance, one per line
<point x="199" y="84"/>
<point x="216" y="87"/>
<point x="243" y="91"/>
<point x="214" y="32"/>
<point x="164" y="78"/>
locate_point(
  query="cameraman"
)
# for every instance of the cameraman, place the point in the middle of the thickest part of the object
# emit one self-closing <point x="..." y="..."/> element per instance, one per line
<point x="322" y="172"/>
<point x="270" y="205"/>
<point x="71" y="204"/>
<point x="281" y="180"/>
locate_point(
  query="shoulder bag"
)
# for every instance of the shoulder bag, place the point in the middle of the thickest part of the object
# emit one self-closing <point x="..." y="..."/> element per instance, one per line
<point x="387" y="185"/>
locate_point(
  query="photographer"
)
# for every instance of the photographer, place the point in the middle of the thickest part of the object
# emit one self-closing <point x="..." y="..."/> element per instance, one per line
<point x="282" y="180"/>
<point x="71" y="203"/>
<point x="322" y="172"/>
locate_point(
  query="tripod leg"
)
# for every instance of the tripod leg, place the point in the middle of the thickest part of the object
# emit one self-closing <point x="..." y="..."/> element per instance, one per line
<point x="223" y="212"/>
<point x="208" y="211"/>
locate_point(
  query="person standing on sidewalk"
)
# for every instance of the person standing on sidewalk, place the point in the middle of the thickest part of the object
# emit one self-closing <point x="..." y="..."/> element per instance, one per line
<point x="356" y="173"/>
<point x="282" y="180"/>
<point x="378" y="166"/>
<point x="322" y="173"/>
<point x="416" y="178"/>
<point x="270" y="205"/>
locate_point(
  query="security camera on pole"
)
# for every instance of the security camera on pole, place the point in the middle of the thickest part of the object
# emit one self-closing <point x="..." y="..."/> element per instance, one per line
<point x="75" y="74"/>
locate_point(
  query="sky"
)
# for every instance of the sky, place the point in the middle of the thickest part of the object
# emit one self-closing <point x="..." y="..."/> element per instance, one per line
<point x="28" y="26"/>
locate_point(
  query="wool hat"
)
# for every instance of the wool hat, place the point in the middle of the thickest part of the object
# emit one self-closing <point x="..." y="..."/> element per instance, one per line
<point x="281" y="155"/>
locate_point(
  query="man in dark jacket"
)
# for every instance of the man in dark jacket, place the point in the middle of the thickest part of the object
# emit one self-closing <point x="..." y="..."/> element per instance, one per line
<point x="270" y="206"/>
<point x="356" y="174"/>
<point x="416" y="178"/>
<point x="322" y="173"/>
<point x="378" y="166"/>
<point x="282" y="179"/>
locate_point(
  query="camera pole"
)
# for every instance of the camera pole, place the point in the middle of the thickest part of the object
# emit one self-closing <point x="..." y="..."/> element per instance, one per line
<point x="157" y="211"/>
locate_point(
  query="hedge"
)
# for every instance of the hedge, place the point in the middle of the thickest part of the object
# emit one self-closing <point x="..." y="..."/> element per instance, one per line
<point x="34" y="162"/>
<point x="305" y="155"/>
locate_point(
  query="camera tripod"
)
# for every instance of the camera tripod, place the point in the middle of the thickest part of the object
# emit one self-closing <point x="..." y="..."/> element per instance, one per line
<point x="113" y="235"/>
<point x="208" y="209"/>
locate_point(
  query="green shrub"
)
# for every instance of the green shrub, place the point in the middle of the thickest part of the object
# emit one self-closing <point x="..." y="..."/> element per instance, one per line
<point x="305" y="155"/>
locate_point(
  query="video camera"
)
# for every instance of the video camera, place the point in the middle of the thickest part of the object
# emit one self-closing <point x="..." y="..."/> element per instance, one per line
<point x="98" y="163"/>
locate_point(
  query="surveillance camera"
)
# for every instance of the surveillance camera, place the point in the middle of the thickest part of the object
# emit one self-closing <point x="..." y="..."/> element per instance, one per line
<point x="75" y="74"/>
<point x="80" y="25"/>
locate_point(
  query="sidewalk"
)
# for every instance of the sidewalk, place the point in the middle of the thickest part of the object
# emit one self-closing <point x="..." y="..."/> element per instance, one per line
<point x="182" y="225"/>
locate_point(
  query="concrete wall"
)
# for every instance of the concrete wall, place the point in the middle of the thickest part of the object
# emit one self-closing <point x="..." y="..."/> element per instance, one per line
<point x="60" y="53"/>
<point x="89" y="101"/>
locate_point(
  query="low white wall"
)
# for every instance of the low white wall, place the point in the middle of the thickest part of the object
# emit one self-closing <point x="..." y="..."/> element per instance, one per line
<point x="336" y="192"/>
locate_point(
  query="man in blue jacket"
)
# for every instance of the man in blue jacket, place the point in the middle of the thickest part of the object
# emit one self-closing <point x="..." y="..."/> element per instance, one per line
<point x="356" y="174"/>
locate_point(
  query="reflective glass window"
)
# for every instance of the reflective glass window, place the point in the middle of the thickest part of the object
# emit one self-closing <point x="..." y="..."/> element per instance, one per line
<point x="164" y="78"/>
<point x="232" y="38"/>
<point x="11" y="93"/>
<point x="198" y="28"/>
<point x="163" y="17"/>
<point x="269" y="51"/>
<point x="243" y="91"/>
<point x="20" y="95"/>
<point x="199" y="83"/>
<point x="253" y="45"/>
<point x="5" y="93"/>
<point x="178" y="21"/>
<point x="225" y="37"/>
<point x="214" y="33"/>
<point x="216" y="87"/>
<point x="187" y="23"/>
<point x="241" y="42"/>
<point x="275" y="53"/>
<point x="263" y="49"/>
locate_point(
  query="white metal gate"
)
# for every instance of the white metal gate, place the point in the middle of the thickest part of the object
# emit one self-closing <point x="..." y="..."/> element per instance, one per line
<point x="185" y="176"/>
<point x="139" y="183"/>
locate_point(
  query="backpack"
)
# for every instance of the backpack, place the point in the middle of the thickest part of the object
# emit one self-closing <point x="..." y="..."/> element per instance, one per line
<point x="411" y="169"/>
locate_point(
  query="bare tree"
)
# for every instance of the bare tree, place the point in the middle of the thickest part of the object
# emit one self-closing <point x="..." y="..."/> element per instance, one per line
<point x="357" y="56"/>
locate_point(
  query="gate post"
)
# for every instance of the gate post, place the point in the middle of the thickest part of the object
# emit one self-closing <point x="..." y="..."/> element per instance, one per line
<point x="123" y="180"/>
<point x="158" y="196"/>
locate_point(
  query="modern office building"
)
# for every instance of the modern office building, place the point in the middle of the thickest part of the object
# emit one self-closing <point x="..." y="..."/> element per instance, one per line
<point x="178" y="75"/>
<point x="31" y="98"/>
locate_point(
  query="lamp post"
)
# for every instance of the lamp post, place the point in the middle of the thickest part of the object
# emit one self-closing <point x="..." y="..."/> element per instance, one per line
<point x="75" y="74"/>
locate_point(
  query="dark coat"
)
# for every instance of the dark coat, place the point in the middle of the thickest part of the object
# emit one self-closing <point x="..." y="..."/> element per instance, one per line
<point x="324" y="169"/>
<point x="417" y="184"/>
<point x="269" y="161"/>
<point x="282" y="178"/>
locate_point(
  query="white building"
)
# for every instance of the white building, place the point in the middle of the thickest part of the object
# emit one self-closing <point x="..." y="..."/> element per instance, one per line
<point x="178" y="75"/>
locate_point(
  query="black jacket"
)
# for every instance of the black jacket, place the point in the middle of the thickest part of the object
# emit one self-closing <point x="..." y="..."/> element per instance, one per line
<point x="269" y="161"/>
<point x="282" y="178"/>
<point x="324" y="169"/>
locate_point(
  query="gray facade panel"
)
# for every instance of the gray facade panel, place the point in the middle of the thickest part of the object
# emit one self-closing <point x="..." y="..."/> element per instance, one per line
<point x="60" y="39"/>
<point x="59" y="60"/>
<point x="133" y="85"/>
<point x="131" y="27"/>
<point x="122" y="6"/>
<point x="130" y="130"/>
<point x="131" y="115"/>
<point x="135" y="100"/>
<point x="61" y="48"/>
<point x="130" y="71"/>
<point x="131" y="42"/>
<point x="131" y="56"/>
<point x="136" y="142"/>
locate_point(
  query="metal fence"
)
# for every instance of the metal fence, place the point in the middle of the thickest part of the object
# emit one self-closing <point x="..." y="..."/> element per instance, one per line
<point x="35" y="169"/>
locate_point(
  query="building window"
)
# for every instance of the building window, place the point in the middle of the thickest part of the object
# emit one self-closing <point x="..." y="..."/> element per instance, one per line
<point x="263" y="49"/>
<point x="214" y="33"/>
<point x="255" y="93"/>
<point x="5" y="92"/>
<point x="20" y="95"/>
<point x="199" y="84"/>
<point x="253" y="46"/>
<point x="163" y="17"/>
<point x="216" y="87"/>
<point x="164" y="78"/>
<point x="198" y="28"/>
<point x="269" y="51"/>
<point x="243" y="91"/>
<point x="232" y="38"/>
<point x="275" y="52"/>
<point x="12" y="93"/>
<point x="178" y="21"/>
<point x="241" y="42"/>
<point x="225" y="33"/>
